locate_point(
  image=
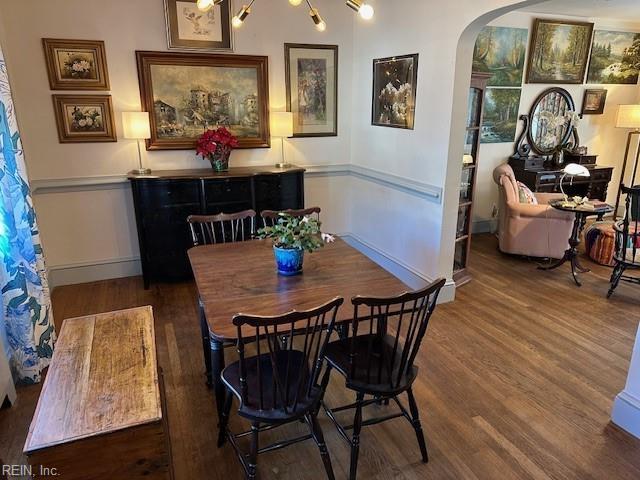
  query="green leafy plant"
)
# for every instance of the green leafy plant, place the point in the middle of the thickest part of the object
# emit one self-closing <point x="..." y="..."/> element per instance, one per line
<point x="302" y="233"/>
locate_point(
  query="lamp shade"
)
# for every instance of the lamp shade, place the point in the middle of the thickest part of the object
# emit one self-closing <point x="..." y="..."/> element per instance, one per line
<point x="281" y="124"/>
<point x="575" y="170"/>
<point x="628" y="116"/>
<point x="136" y="125"/>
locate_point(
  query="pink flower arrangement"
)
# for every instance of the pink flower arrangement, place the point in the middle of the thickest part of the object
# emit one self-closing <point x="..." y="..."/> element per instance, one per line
<point x="219" y="142"/>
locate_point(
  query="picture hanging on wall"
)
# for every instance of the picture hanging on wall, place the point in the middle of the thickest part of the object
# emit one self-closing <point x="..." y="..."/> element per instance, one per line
<point x="394" y="91"/>
<point x="559" y="51"/>
<point x="311" y="73"/>
<point x="84" y="118"/>
<point x="594" y="101"/>
<point x="500" y="51"/>
<point x="189" y="28"/>
<point x="76" y="64"/>
<point x="500" y="117"/>
<point x="615" y="57"/>
<point x="188" y="93"/>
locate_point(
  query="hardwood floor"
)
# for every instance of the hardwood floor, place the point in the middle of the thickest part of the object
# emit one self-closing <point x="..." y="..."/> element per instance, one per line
<point x="517" y="379"/>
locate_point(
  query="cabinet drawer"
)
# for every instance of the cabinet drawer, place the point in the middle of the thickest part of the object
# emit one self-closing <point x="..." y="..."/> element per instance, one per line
<point x="227" y="190"/>
<point x="160" y="193"/>
<point x="603" y="175"/>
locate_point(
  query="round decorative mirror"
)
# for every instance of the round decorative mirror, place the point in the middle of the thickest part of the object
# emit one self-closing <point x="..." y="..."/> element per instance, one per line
<point x="551" y="121"/>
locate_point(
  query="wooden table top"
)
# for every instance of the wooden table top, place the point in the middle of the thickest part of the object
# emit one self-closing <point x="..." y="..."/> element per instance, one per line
<point x="241" y="278"/>
<point x="103" y="377"/>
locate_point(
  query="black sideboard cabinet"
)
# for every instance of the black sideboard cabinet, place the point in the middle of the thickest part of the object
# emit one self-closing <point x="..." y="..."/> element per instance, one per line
<point x="164" y="200"/>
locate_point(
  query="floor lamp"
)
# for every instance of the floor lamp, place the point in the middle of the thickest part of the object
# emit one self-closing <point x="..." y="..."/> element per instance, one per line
<point x="135" y="125"/>
<point x="628" y="117"/>
<point x="282" y="127"/>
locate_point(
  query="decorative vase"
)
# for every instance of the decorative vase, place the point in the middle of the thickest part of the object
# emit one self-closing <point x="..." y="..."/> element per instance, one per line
<point x="220" y="160"/>
<point x="288" y="260"/>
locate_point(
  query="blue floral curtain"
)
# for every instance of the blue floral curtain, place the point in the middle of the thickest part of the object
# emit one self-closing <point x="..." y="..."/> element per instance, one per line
<point x="26" y="324"/>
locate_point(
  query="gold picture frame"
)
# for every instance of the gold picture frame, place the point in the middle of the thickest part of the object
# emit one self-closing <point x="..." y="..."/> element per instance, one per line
<point x="76" y="64"/>
<point x="84" y="118"/>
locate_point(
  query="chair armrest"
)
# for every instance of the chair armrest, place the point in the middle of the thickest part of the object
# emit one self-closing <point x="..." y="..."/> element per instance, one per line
<point x="545" y="198"/>
<point x="525" y="210"/>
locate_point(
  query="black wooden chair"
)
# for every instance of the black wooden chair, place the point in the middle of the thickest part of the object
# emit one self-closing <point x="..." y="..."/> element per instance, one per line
<point x="627" y="250"/>
<point x="270" y="217"/>
<point x="278" y="385"/>
<point x="376" y="358"/>
<point x="221" y="228"/>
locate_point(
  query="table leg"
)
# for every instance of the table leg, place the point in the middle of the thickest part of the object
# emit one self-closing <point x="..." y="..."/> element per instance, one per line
<point x="217" y="365"/>
<point x="571" y="254"/>
<point x="206" y="343"/>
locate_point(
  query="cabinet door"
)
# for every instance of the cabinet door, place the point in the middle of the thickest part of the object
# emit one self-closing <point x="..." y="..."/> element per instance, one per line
<point x="164" y="206"/>
<point x="279" y="192"/>
<point x="227" y="195"/>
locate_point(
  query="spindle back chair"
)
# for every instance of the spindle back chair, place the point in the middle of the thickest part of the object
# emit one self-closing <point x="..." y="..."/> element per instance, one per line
<point x="270" y="217"/>
<point x="627" y="231"/>
<point x="222" y="228"/>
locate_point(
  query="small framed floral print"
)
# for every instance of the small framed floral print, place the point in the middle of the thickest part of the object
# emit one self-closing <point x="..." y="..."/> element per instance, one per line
<point x="84" y="118"/>
<point x="76" y="64"/>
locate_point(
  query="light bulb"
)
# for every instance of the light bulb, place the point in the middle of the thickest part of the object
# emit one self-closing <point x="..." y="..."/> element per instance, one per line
<point x="295" y="3"/>
<point x="322" y="26"/>
<point x="366" y="11"/>
<point x="240" y="16"/>
<point x="236" y="22"/>
<point x="204" y="5"/>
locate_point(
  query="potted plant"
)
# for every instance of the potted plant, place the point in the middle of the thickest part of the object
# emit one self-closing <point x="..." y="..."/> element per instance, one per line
<point x="216" y="146"/>
<point x="292" y="236"/>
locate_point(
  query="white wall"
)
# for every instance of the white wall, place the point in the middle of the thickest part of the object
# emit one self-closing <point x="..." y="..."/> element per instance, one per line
<point x="597" y="132"/>
<point x="97" y="226"/>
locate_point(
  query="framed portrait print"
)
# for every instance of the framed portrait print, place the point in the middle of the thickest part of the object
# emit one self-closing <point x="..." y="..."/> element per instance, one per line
<point x="84" y="118"/>
<point x="76" y="64"/>
<point x="394" y="91"/>
<point x="189" y="28"/>
<point x="311" y="73"/>
<point x="188" y="93"/>
<point x="593" y="101"/>
<point x="559" y="51"/>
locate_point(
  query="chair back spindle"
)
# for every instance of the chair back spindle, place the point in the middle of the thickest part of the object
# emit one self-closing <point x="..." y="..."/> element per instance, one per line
<point x="270" y="217"/>
<point x="627" y="230"/>
<point x="222" y="228"/>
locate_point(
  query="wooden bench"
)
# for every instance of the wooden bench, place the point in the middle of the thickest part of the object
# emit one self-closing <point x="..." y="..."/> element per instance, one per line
<point x="100" y="414"/>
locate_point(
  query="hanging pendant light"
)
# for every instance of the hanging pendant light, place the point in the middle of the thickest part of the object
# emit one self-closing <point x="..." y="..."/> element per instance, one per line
<point x="364" y="9"/>
<point x="241" y="15"/>
<point x="205" y="5"/>
<point x="321" y="25"/>
<point x="295" y="3"/>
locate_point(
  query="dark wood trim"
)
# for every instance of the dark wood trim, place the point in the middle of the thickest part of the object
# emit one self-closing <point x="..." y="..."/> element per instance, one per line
<point x="64" y="136"/>
<point x="287" y="77"/>
<point x="51" y="44"/>
<point x="146" y="58"/>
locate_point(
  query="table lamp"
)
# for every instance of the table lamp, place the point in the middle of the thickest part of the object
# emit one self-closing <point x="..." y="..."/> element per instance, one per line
<point x="628" y="117"/>
<point x="573" y="170"/>
<point x="136" y="126"/>
<point x="282" y="127"/>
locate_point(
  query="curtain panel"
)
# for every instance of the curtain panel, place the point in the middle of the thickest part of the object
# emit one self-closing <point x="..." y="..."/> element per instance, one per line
<point x="26" y="325"/>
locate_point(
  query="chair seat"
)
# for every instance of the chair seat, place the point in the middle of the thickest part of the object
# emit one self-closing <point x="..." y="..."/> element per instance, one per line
<point x="271" y="409"/>
<point x="376" y="377"/>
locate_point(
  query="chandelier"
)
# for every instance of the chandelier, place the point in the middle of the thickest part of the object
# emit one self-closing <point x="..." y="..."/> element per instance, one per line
<point x="365" y="10"/>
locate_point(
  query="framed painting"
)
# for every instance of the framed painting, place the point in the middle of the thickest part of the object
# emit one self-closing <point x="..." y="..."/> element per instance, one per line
<point x="500" y="51"/>
<point x="311" y="73"/>
<point x="615" y="57"/>
<point x="500" y="117"/>
<point x="394" y="91"/>
<point x="84" y="118"/>
<point x="558" y="51"/>
<point x="188" y="93"/>
<point x="189" y="28"/>
<point x="593" y="101"/>
<point x="76" y="64"/>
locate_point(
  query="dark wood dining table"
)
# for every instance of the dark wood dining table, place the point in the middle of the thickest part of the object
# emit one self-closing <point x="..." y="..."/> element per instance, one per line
<point x="241" y="277"/>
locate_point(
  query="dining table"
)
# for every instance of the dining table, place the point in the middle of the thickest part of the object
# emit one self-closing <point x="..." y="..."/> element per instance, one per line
<point x="241" y="277"/>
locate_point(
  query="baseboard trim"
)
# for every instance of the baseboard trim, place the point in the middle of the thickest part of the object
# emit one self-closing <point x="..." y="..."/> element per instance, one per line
<point x="83" y="272"/>
<point x="408" y="275"/>
<point x="484" y="226"/>
<point x="626" y="413"/>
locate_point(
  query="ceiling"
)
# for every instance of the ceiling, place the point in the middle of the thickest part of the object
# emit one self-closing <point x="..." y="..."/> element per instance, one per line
<point x="628" y="10"/>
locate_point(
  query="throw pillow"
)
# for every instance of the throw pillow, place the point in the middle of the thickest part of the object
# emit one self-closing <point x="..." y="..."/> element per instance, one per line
<point x="525" y="195"/>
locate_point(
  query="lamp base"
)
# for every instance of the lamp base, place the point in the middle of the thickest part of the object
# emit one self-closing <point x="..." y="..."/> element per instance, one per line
<point x="282" y="165"/>
<point x="142" y="171"/>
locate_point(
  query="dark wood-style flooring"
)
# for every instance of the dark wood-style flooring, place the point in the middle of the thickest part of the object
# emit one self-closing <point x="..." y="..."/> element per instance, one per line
<point x="517" y="379"/>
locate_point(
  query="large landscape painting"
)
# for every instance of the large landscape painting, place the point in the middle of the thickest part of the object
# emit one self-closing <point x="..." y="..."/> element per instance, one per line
<point x="501" y="52"/>
<point x="500" y="115"/>
<point x="190" y="93"/>
<point x="615" y="57"/>
<point x="559" y="51"/>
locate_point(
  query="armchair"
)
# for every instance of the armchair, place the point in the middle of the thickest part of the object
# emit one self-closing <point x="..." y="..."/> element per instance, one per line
<point x="525" y="229"/>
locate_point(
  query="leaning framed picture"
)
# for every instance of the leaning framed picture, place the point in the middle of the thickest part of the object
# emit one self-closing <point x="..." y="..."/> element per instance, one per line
<point x="558" y="51"/>
<point x="593" y="101"/>
<point x="394" y="91"/>
<point x="311" y="73"/>
<point x="84" y="118"/>
<point x="76" y="64"/>
<point x="188" y="93"/>
<point x="189" y="28"/>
